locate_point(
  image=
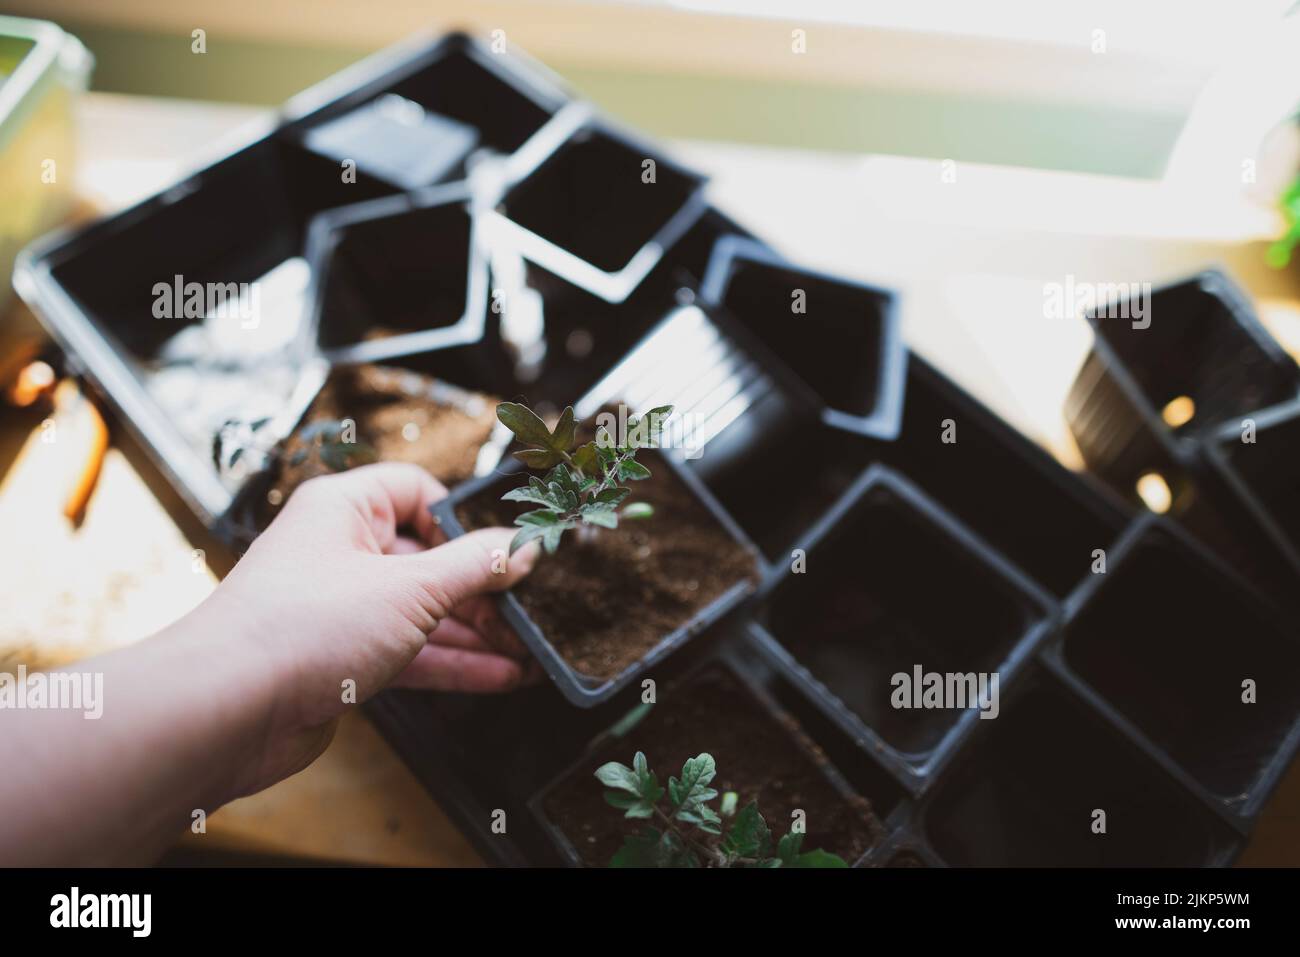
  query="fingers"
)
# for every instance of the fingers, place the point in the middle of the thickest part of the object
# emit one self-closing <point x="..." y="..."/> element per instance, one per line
<point x="480" y="614"/>
<point x="467" y="566"/>
<point x="456" y="634"/>
<point x="438" y="668"/>
<point x="387" y="495"/>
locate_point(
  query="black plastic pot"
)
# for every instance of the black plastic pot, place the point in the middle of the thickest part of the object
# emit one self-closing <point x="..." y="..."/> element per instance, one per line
<point x="1164" y="641"/>
<point x="1263" y="474"/>
<point x="844" y="343"/>
<point x="242" y="216"/>
<point x="395" y="140"/>
<point x="1201" y="348"/>
<point x="1201" y="341"/>
<point x="411" y="266"/>
<point x="583" y="690"/>
<point x="583" y="210"/>
<point x="1011" y="493"/>
<point x="890" y="582"/>
<point x="1025" y="792"/>
<point x="761" y="715"/>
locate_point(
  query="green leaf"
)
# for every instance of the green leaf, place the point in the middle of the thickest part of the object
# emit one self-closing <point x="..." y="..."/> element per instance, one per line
<point x="527" y="493"/>
<point x="547" y="448"/>
<point x="613" y="496"/>
<point x="697" y="773"/>
<point x="651" y="848"/>
<point x="526" y="424"/>
<point x="538" y="516"/>
<point x="607" y="453"/>
<point x="618" y="776"/>
<point x="603" y="516"/>
<point x="820" y="859"/>
<point x="639" y="850"/>
<point x="566" y="431"/>
<point x="748" y="836"/>
<point x="633" y="807"/>
<point x="525" y="535"/>
<point x="638" y="510"/>
<point x="787" y="853"/>
<point x="551" y="537"/>
<point x="587" y="459"/>
<point x="539" y="458"/>
<point x="702" y="816"/>
<point x="630" y="470"/>
<point x="787" y="849"/>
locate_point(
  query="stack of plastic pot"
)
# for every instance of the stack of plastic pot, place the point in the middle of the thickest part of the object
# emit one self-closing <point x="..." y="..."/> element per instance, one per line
<point x="460" y="216"/>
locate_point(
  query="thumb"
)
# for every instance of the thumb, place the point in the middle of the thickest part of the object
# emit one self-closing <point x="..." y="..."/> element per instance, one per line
<point x="470" y="565"/>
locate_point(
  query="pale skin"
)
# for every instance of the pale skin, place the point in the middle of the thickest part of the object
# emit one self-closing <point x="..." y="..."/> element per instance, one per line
<point x="248" y="688"/>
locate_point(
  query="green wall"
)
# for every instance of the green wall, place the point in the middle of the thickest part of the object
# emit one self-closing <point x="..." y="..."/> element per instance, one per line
<point x="704" y="107"/>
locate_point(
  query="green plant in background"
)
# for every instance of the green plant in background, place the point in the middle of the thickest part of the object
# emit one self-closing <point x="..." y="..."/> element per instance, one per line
<point x="582" y="487"/>
<point x="1279" y="253"/>
<point x="687" y="831"/>
<point x="330" y="440"/>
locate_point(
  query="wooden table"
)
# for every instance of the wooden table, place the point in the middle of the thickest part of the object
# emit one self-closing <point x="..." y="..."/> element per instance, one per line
<point x="970" y="256"/>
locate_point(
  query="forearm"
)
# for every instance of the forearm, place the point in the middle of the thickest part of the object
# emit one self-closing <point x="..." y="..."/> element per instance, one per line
<point x="183" y="717"/>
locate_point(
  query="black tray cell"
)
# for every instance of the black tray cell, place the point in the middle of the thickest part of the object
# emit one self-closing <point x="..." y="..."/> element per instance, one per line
<point x="888" y="590"/>
<point x="1203" y="343"/>
<point x="1169" y="641"/>
<point x="804" y="464"/>
<point x="395" y="140"/>
<point x="588" y="198"/>
<point x="1011" y="493"/>
<point x="466" y="85"/>
<point x="231" y="223"/>
<point x="1026" y="794"/>
<point x="844" y="343"/>
<point x="759" y="751"/>
<point x="1269" y="467"/>
<point x="406" y="269"/>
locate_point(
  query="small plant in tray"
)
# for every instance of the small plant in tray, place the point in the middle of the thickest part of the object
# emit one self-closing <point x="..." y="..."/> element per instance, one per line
<point x="334" y="443"/>
<point x="687" y="831"/>
<point x="581" y="489"/>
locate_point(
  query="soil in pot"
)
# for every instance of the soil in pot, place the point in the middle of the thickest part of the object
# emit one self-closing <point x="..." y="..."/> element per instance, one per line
<point x="604" y="603"/>
<point x="757" y="755"/>
<point x="402" y="415"/>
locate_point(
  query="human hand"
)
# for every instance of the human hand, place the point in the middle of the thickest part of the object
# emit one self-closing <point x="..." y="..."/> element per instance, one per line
<point x="332" y="596"/>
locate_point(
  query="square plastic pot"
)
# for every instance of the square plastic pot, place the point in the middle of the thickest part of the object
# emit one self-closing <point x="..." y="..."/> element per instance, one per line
<point x="1171" y="642"/>
<point x="396" y="140"/>
<point x="584" y="690"/>
<point x="1126" y="446"/>
<point x="888" y="582"/>
<point x="410" y="267"/>
<point x="747" y="704"/>
<point x="239" y="217"/>
<point x="587" y="210"/>
<point x="1150" y="386"/>
<point x="1007" y="490"/>
<point x="1028" y="790"/>
<point x="841" y="338"/>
